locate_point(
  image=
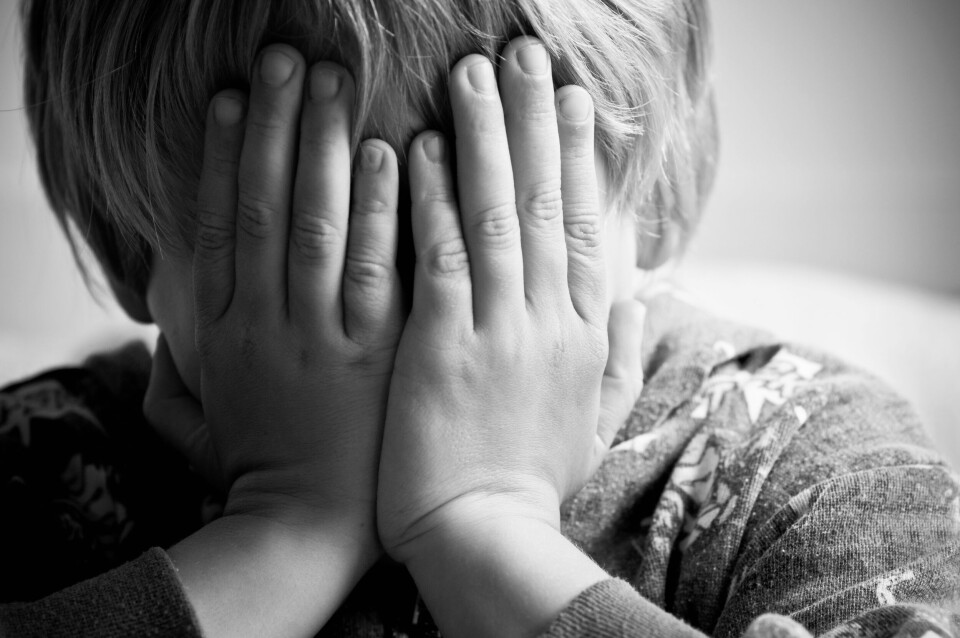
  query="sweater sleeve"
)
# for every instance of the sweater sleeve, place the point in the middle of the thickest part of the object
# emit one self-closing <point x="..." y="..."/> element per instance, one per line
<point x="141" y="598"/>
<point x="613" y="609"/>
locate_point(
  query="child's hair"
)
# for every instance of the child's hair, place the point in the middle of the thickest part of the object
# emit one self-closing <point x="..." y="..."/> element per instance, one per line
<point x="116" y="94"/>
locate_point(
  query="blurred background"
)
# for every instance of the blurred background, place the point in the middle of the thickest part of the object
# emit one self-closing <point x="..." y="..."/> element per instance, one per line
<point x="835" y="217"/>
<point x="840" y="138"/>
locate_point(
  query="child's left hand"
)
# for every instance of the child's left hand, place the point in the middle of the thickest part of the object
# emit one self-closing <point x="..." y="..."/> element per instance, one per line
<point x="497" y="386"/>
<point x="499" y="379"/>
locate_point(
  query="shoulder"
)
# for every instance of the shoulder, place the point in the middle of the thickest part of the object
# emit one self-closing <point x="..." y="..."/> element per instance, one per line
<point x="84" y="482"/>
<point x="747" y="471"/>
<point x="746" y="379"/>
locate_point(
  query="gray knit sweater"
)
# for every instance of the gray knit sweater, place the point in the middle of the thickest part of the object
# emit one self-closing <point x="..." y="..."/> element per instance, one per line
<point x="758" y="488"/>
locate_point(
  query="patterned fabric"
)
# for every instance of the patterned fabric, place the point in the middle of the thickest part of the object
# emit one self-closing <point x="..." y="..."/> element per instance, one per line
<point x="757" y="489"/>
<point x="755" y="477"/>
<point x="85" y="485"/>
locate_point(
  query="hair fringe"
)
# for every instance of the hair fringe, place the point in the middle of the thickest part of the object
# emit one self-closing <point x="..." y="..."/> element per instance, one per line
<point x="118" y="93"/>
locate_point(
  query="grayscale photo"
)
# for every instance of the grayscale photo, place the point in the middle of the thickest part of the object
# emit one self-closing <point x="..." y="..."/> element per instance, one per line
<point x="479" y="318"/>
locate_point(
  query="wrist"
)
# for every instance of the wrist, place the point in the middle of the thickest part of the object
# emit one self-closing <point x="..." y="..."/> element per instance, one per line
<point x="247" y="574"/>
<point x="505" y="575"/>
<point x="469" y="517"/>
<point x="320" y="517"/>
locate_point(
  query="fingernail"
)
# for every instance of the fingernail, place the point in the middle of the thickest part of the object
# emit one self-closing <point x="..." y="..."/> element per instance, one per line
<point x="481" y="77"/>
<point x="435" y="148"/>
<point x="227" y="111"/>
<point x="276" y="68"/>
<point x="371" y="157"/>
<point x="575" y="106"/>
<point x="533" y="59"/>
<point x="324" y="84"/>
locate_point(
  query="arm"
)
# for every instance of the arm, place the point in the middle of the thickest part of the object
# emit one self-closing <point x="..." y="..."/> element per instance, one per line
<point x="265" y="576"/>
<point x="518" y="577"/>
<point x="508" y="576"/>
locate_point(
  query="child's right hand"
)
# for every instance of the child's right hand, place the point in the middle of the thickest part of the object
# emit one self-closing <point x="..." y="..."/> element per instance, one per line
<point x="296" y="329"/>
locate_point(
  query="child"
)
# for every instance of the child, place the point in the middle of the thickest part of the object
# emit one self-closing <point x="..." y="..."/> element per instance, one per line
<point x="749" y="477"/>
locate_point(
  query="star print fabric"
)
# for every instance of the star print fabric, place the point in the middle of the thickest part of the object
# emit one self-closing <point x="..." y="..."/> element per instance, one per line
<point x="757" y="477"/>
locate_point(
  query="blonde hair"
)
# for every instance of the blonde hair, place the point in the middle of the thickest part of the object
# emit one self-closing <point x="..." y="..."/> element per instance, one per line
<point x="117" y="93"/>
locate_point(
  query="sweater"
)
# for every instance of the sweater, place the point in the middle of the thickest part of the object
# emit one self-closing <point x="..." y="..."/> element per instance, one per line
<point x="758" y="488"/>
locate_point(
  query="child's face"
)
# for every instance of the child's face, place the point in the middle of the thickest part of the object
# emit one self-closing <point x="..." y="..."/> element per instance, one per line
<point x="170" y="291"/>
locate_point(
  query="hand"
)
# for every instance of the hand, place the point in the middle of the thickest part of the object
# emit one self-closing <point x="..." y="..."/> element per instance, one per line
<point x="298" y="314"/>
<point x="296" y="326"/>
<point x="178" y="417"/>
<point x="494" y="401"/>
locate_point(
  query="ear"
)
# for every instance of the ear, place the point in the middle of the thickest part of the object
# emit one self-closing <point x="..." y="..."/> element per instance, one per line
<point x="654" y="249"/>
<point x="133" y="302"/>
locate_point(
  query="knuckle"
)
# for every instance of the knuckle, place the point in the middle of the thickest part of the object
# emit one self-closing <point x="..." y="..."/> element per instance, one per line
<point x="318" y="144"/>
<point x="222" y="161"/>
<point x="313" y="235"/>
<point x="373" y="206"/>
<point x="365" y="272"/>
<point x="255" y="216"/>
<point x="437" y="194"/>
<point x="447" y="258"/>
<point x="497" y="225"/>
<point x="270" y="125"/>
<point x="213" y="232"/>
<point x="537" y="111"/>
<point x="577" y="148"/>
<point x="544" y="203"/>
<point x="583" y="228"/>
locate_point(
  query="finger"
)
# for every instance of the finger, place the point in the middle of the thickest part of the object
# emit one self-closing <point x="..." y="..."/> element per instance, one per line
<point x="213" y="261"/>
<point x="581" y="205"/>
<point x="623" y="376"/>
<point x="526" y="87"/>
<point x="442" y="294"/>
<point x="371" y="284"/>
<point x="178" y="418"/>
<point x="266" y="179"/>
<point x="321" y="204"/>
<point x="486" y="192"/>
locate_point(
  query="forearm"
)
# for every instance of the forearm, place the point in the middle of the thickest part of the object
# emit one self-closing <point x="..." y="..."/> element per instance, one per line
<point x="501" y="577"/>
<point x="247" y="575"/>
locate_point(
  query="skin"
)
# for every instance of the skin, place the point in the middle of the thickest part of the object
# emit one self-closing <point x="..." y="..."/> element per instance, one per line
<point x="338" y="428"/>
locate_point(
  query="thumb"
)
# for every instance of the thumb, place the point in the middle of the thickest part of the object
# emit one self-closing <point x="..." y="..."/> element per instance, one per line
<point x="178" y="417"/>
<point x="623" y="376"/>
